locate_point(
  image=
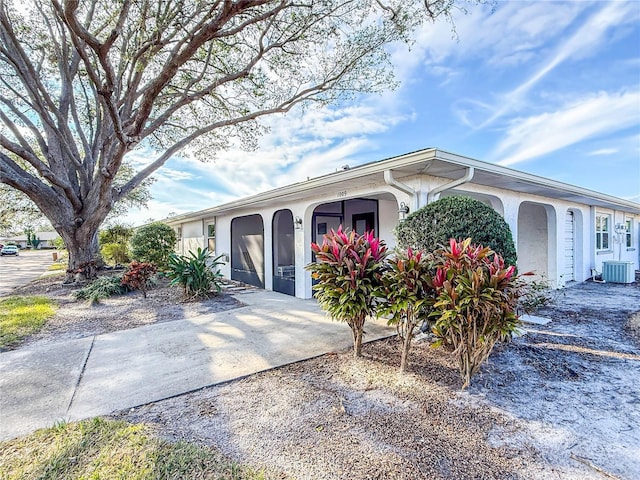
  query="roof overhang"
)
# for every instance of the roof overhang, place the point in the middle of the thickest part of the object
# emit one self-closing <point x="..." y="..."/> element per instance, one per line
<point x="430" y="161"/>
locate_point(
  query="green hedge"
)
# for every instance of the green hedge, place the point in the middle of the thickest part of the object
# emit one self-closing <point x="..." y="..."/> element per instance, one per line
<point x="457" y="217"/>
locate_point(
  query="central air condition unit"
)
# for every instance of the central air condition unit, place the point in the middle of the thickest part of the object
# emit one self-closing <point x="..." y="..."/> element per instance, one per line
<point x="618" y="272"/>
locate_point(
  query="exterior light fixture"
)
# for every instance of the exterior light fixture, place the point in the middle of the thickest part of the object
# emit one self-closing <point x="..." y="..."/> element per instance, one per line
<point x="404" y="209"/>
<point x="297" y="222"/>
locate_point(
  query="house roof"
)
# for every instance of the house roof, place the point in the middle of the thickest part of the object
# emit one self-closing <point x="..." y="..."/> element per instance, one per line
<point x="43" y="236"/>
<point x="433" y="162"/>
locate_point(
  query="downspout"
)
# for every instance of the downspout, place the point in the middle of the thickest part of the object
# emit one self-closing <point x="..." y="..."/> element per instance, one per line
<point x="403" y="187"/>
<point x="435" y="193"/>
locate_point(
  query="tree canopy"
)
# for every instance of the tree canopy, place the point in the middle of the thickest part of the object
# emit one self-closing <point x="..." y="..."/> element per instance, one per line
<point x="84" y="84"/>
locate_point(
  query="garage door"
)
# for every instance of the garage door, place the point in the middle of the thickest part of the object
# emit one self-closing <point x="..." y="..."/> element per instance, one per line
<point x="569" y="242"/>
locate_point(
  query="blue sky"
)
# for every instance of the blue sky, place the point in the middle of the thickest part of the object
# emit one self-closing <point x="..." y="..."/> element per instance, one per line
<point x="549" y="88"/>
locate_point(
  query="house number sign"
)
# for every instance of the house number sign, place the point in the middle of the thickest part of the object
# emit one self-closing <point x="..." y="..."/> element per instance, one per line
<point x="342" y="194"/>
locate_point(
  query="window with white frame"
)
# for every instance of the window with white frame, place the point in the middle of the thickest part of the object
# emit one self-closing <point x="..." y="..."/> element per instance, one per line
<point x="603" y="231"/>
<point x="211" y="237"/>
<point x="629" y="233"/>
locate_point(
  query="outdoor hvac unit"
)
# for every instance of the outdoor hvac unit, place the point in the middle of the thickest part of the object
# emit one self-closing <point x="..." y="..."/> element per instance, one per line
<point x="618" y="272"/>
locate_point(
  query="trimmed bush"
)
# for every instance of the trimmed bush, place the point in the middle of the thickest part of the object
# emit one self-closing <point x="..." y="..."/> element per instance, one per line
<point x="431" y="227"/>
<point x="154" y="243"/>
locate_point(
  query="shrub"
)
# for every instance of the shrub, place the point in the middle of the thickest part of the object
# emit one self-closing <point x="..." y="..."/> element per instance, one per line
<point x="197" y="273"/>
<point x="407" y="295"/>
<point x="153" y="243"/>
<point x="114" y="244"/>
<point x="139" y="276"/>
<point x="101" y="288"/>
<point x="431" y="227"/>
<point x="58" y="243"/>
<point x="117" y="233"/>
<point x="475" y="304"/>
<point x="348" y="271"/>
<point x="115" y="253"/>
<point x="536" y="294"/>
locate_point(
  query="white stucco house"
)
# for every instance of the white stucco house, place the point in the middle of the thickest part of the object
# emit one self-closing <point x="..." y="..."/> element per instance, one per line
<point x="46" y="239"/>
<point x="561" y="231"/>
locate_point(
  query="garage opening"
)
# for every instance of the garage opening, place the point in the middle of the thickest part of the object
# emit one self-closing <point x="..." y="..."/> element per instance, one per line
<point x="247" y="250"/>
<point x="359" y="214"/>
<point x="284" y="264"/>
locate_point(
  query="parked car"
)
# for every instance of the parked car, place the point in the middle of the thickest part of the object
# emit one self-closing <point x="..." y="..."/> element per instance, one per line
<point x="10" y="250"/>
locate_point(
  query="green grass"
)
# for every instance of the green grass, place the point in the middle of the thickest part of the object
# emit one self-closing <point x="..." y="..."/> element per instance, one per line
<point x="23" y="316"/>
<point x="107" y="449"/>
<point x="57" y="266"/>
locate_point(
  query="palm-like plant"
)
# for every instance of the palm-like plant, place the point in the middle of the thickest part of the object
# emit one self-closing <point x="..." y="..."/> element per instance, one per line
<point x="348" y="270"/>
<point x="407" y="295"/>
<point x="197" y="273"/>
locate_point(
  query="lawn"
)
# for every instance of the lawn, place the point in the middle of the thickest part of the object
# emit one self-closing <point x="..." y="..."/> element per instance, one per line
<point x="108" y="449"/>
<point x="23" y="316"/>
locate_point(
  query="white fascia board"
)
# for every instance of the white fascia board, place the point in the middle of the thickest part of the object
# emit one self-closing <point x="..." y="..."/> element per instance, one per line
<point x="403" y="161"/>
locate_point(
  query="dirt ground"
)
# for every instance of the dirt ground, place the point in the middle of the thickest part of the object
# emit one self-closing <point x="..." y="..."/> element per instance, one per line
<point x="561" y="401"/>
<point x="77" y="319"/>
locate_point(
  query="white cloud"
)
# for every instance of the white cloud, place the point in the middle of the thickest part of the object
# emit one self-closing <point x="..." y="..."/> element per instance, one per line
<point x="604" y="113"/>
<point x="514" y="33"/>
<point x="173" y="174"/>
<point x="585" y="41"/>
<point x="603" y="152"/>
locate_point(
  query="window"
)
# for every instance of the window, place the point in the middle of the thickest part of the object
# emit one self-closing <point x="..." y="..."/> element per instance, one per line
<point x="629" y="234"/>
<point x="211" y="237"/>
<point x="603" y="231"/>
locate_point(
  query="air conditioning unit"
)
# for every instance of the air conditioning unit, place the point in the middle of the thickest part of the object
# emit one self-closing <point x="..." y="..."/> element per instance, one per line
<point x="618" y="272"/>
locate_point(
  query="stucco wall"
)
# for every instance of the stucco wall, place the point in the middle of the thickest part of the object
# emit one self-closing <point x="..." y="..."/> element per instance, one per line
<point x="533" y="251"/>
<point x="537" y="224"/>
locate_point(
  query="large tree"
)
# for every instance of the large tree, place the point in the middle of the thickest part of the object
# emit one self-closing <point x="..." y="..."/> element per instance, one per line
<point x="85" y="83"/>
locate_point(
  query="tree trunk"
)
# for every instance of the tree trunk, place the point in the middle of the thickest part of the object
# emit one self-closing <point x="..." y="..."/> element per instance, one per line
<point x="84" y="255"/>
<point x="356" y="330"/>
<point x="406" y="346"/>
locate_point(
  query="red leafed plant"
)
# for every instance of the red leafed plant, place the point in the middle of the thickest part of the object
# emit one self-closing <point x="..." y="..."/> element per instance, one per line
<point x="407" y="295"/>
<point x="348" y="269"/>
<point x="138" y="276"/>
<point x="476" y="296"/>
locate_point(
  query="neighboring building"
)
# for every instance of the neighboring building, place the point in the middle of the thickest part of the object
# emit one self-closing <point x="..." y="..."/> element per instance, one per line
<point x="46" y="239"/>
<point x="560" y="230"/>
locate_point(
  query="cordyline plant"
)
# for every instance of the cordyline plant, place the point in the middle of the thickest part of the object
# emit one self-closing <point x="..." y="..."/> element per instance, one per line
<point x="348" y="270"/>
<point x="407" y="295"/>
<point x="475" y="303"/>
<point x="139" y="276"/>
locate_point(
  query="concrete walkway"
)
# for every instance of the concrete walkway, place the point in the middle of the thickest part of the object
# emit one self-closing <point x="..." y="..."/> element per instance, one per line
<point x="82" y="378"/>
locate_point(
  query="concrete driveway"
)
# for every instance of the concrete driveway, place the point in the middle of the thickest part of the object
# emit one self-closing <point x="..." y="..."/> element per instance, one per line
<point x="97" y="375"/>
<point x="20" y="270"/>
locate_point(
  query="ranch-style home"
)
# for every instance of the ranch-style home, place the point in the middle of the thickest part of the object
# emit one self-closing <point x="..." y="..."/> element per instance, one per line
<point x="561" y="231"/>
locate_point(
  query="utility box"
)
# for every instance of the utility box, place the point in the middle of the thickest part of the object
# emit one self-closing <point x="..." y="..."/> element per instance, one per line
<point x="618" y="272"/>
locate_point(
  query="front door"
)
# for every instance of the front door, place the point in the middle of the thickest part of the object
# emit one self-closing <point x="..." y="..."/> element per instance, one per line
<point x="363" y="222"/>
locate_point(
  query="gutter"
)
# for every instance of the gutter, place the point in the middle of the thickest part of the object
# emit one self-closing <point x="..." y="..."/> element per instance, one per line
<point x="403" y="187"/>
<point x="435" y="193"/>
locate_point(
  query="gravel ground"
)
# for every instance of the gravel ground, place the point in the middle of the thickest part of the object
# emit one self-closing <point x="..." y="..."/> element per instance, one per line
<point x="77" y="319"/>
<point x="562" y="401"/>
